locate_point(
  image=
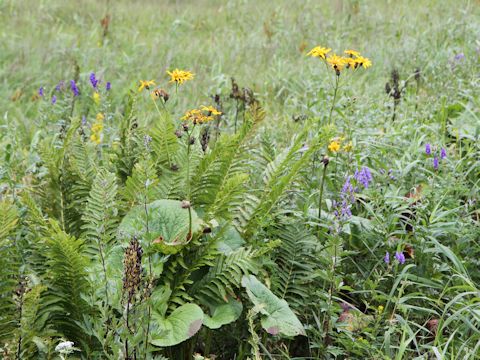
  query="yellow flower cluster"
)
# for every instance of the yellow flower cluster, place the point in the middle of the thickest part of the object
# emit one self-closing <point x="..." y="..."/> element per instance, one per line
<point x="353" y="60"/>
<point x="202" y="115"/>
<point x="97" y="129"/>
<point x="145" y="84"/>
<point x="180" y="76"/>
<point x="335" y="145"/>
<point x="96" y="98"/>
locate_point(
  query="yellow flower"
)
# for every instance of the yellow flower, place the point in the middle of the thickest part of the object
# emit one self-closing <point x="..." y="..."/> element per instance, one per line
<point x="96" y="98"/>
<point x="319" y="51"/>
<point x="350" y="62"/>
<point x="180" y="76"/>
<point x="96" y="138"/>
<point x="145" y="84"/>
<point x="352" y="53"/>
<point x="97" y="127"/>
<point x="100" y="117"/>
<point x="211" y="110"/>
<point x="362" y="61"/>
<point x="348" y="147"/>
<point x="380" y="309"/>
<point x="197" y="116"/>
<point x="334" y="146"/>
<point x="336" y="62"/>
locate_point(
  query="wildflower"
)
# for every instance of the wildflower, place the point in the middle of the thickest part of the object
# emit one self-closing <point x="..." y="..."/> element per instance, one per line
<point x="97" y="129"/>
<point x="100" y="117"/>
<point x="197" y="116"/>
<point x="40" y="91"/>
<point x="352" y="53"/>
<point x="337" y="63"/>
<point x="147" y="139"/>
<point x="350" y="62"/>
<point x="386" y="259"/>
<point x="65" y="347"/>
<point x="443" y="153"/>
<point x="84" y="120"/>
<point x="459" y="57"/>
<point x="211" y="110"/>
<point x="380" y="309"/>
<point x="180" y="76"/>
<point x="74" y="88"/>
<point x="96" y="98"/>
<point x="54" y="99"/>
<point x="60" y="86"/>
<point x="363" y="176"/>
<point x="334" y="146"/>
<point x="93" y="80"/>
<point x="132" y="264"/>
<point x="348" y="147"/>
<point x="400" y="257"/>
<point x="319" y="52"/>
<point x="435" y="163"/>
<point x="362" y="61"/>
<point x="108" y="86"/>
<point x="160" y="93"/>
<point x="145" y="84"/>
<point x="428" y="149"/>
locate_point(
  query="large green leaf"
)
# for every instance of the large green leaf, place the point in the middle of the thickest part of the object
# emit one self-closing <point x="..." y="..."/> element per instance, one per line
<point x="277" y="317"/>
<point x="223" y="313"/>
<point x="168" y="224"/>
<point x="182" y="324"/>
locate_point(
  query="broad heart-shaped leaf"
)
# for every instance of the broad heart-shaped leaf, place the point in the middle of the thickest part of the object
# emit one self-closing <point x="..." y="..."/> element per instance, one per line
<point x="278" y="317"/>
<point x="182" y="324"/>
<point x="230" y="241"/>
<point x="168" y="225"/>
<point x="223" y="313"/>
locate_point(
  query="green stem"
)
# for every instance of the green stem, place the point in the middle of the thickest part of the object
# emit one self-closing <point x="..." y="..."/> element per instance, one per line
<point x="321" y="196"/>
<point x="337" y="78"/>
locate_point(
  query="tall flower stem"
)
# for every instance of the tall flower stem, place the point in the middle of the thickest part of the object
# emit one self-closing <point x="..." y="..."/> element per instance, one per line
<point x="320" y="198"/>
<point x="189" y="145"/>
<point x="337" y="80"/>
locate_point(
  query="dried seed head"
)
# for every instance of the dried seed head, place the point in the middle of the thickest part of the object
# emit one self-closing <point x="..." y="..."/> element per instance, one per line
<point x="132" y="269"/>
<point x="186" y="204"/>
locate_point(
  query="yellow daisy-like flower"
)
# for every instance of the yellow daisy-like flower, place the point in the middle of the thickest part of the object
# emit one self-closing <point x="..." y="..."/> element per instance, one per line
<point x="197" y="116"/>
<point x="362" y="61"/>
<point x="180" y="76"/>
<point x="145" y="84"/>
<point x="350" y="62"/>
<point x="336" y="62"/>
<point x="352" y="53"/>
<point x="96" y="98"/>
<point x="96" y="138"/>
<point x="97" y="127"/>
<point x="348" y="147"/>
<point x="334" y="146"/>
<point x="100" y="117"/>
<point x="320" y="52"/>
<point x="211" y="110"/>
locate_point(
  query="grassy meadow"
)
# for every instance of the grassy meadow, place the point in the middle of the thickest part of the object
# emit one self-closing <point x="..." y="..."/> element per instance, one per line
<point x="206" y="179"/>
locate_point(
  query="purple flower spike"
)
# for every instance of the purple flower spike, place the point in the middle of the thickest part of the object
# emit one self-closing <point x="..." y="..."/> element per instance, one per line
<point x="93" y="80"/>
<point x="60" y="86"/>
<point x="40" y="91"/>
<point x="108" y="86"/>
<point x="443" y="153"/>
<point x="387" y="258"/>
<point x="84" y="120"/>
<point x="435" y="163"/>
<point x="428" y="149"/>
<point x="364" y="176"/>
<point x="400" y="257"/>
<point x="459" y="57"/>
<point x="74" y="88"/>
<point x="54" y="99"/>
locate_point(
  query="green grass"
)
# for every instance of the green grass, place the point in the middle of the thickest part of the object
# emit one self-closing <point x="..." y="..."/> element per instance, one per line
<point x="256" y="187"/>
